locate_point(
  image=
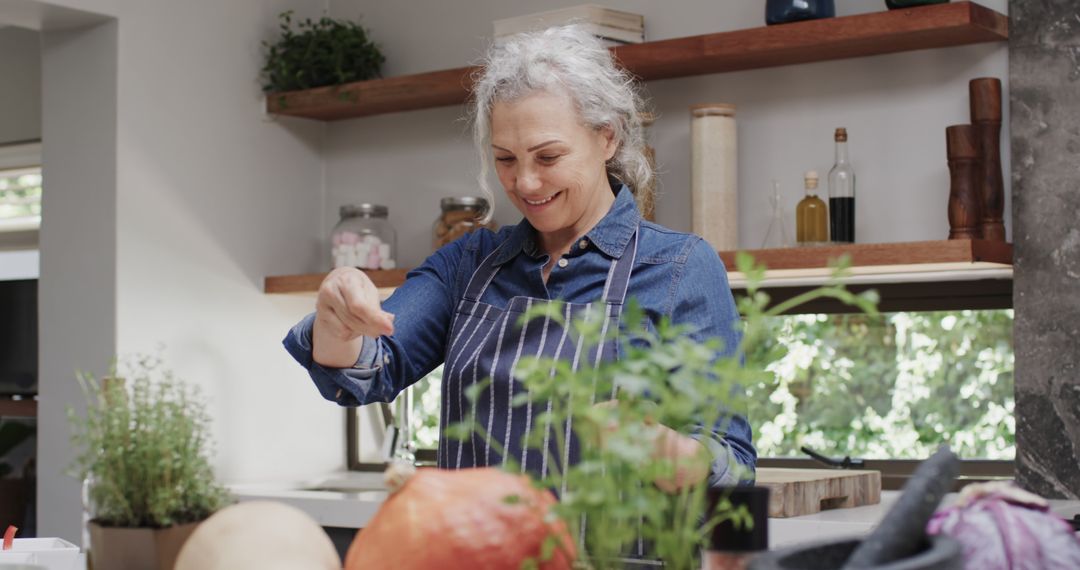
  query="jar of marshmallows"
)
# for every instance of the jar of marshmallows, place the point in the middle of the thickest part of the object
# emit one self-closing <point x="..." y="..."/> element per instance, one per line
<point x="363" y="238"/>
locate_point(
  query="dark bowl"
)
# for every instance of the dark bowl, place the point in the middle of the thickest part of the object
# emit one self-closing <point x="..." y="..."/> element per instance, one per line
<point x="938" y="553"/>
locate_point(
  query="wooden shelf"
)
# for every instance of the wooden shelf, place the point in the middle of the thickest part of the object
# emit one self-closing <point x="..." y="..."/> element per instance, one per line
<point x="910" y="276"/>
<point x="878" y="254"/>
<point x="309" y="283"/>
<point x="25" y="408"/>
<point x="934" y="26"/>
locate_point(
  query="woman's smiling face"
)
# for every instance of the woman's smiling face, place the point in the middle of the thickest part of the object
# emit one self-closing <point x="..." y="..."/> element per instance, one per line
<point x="551" y="165"/>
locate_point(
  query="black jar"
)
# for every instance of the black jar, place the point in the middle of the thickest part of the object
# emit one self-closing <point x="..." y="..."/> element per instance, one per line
<point x="784" y="11"/>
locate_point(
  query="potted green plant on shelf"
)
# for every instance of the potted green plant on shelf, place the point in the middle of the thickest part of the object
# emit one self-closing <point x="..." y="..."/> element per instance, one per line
<point x="143" y="449"/>
<point x="319" y="53"/>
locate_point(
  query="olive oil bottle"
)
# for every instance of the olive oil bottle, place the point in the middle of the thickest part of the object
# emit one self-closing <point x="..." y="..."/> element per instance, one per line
<point x="811" y="215"/>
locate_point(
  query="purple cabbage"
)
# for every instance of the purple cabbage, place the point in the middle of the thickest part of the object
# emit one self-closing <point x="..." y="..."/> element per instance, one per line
<point x="1003" y="527"/>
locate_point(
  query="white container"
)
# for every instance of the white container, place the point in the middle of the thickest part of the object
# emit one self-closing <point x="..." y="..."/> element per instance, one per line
<point x="49" y="553"/>
<point x="713" y="175"/>
<point x="10" y="557"/>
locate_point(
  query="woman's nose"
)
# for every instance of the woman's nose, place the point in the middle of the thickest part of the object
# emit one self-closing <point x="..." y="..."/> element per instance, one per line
<point x="528" y="179"/>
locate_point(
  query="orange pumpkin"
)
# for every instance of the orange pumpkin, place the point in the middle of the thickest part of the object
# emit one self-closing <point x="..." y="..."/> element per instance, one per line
<point x="461" y="519"/>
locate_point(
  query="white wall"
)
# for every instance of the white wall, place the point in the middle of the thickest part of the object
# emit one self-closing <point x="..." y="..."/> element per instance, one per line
<point x="212" y="197"/>
<point x="77" y="286"/>
<point x="189" y="197"/>
<point x="895" y="107"/>
<point x="20" y="73"/>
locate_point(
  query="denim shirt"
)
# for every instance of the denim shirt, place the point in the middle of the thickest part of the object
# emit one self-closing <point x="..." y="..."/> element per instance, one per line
<point x="675" y="275"/>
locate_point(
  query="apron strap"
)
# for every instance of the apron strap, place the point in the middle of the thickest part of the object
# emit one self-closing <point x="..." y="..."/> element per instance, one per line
<point x="482" y="277"/>
<point x="619" y="276"/>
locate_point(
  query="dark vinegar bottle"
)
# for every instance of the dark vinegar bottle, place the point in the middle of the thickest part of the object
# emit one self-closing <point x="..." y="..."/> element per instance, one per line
<point x="842" y="193"/>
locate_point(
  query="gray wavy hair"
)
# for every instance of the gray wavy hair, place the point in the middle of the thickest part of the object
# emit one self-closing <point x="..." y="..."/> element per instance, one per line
<point x="570" y="59"/>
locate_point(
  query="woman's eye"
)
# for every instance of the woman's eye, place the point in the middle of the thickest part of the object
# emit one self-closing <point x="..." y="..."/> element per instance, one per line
<point x="505" y="159"/>
<point x="549" y="158"/>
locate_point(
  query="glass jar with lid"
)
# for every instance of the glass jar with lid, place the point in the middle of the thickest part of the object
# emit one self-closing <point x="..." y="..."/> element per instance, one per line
<point x="363" y="238"/>
<point x="460" y="215"/>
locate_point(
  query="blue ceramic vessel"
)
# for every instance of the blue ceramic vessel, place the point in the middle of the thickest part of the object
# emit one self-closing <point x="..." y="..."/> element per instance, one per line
<point x="784" y="11"/>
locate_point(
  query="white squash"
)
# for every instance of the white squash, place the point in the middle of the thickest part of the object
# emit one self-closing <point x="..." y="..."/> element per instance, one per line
<point x="262" y="535"/>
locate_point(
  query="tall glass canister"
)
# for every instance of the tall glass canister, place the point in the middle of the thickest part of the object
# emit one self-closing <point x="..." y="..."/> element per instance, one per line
<point x="714" y="175"/>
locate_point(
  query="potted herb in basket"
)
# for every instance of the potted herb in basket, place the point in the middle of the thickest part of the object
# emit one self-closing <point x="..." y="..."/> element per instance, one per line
<point x="319" y="53"/>
<point x="143" y="447"/>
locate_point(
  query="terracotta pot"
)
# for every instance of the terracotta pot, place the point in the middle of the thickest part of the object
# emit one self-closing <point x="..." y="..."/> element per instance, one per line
<point x="120" y="548"/>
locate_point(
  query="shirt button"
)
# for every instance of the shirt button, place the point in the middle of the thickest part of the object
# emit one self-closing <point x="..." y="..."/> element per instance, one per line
<point x="563" y="262"/>
<point x="583" y="244"/>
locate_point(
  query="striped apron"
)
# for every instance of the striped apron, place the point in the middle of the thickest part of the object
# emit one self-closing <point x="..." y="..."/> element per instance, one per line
<point x="487" y="342"/>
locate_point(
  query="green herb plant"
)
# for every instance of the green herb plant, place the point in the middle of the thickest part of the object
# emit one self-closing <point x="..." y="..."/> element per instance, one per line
<point x="664" y="377"/>
<point x="143" y="446"/>
<point x="320" y="52"/>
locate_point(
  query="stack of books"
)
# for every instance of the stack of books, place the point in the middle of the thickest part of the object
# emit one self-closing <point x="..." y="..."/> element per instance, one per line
<point x="615" y="27"/>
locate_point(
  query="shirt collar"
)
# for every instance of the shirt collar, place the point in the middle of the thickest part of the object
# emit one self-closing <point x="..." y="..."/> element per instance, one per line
<point x="610" y="234"/>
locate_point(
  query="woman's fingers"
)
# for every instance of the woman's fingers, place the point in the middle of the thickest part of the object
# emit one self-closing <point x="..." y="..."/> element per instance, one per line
<point x="333" y="310"/>
<point x="348" y="304"/>
<point x="361" y="299"/>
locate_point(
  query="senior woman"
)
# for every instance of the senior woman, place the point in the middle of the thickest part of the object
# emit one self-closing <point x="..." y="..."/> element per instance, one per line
<point x="562" y="127"/>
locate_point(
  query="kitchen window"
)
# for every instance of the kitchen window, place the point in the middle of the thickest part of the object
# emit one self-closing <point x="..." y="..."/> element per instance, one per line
<point x="887" y="389"/>
<point x="20" y="187"/>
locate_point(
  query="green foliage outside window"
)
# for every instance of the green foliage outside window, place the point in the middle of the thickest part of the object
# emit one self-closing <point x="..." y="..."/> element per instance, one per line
<point x="20" y="194"/>
<point x="892" y="386"/>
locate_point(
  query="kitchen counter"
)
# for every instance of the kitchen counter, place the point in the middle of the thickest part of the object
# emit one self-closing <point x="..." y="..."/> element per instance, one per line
<point x="346" y="500"/>
<point x="350" y="500"/>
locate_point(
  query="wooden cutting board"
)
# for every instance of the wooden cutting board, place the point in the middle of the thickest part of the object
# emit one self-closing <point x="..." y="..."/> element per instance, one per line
<point x="795" y="492"/>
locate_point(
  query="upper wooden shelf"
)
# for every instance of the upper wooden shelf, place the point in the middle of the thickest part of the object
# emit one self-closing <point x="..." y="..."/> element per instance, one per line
<point x="912" y="276"/>
<point x="934" y="26"/>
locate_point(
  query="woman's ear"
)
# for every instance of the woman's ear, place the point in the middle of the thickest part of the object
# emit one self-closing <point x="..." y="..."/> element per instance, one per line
<point x="611" y="145"/>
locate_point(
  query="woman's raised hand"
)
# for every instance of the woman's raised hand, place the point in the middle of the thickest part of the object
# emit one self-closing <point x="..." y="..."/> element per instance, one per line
<point x="347" y="309"/>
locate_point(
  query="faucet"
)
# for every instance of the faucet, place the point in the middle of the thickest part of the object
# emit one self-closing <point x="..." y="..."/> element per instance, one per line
<point x="399" y="445"/>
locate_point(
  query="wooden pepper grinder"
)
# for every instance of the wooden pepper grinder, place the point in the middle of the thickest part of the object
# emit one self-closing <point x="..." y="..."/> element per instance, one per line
<point x="961" y="146"/>
<point x="985" y="98"/>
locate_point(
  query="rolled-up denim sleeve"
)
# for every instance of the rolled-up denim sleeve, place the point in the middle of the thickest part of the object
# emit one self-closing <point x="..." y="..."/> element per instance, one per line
<point x="704" y="301"/>
<point x="422" y="307"/>
<point x="346" y="386"/>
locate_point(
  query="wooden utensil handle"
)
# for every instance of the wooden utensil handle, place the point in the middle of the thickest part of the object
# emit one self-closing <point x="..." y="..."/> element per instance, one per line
<point x="985" y="100"/>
